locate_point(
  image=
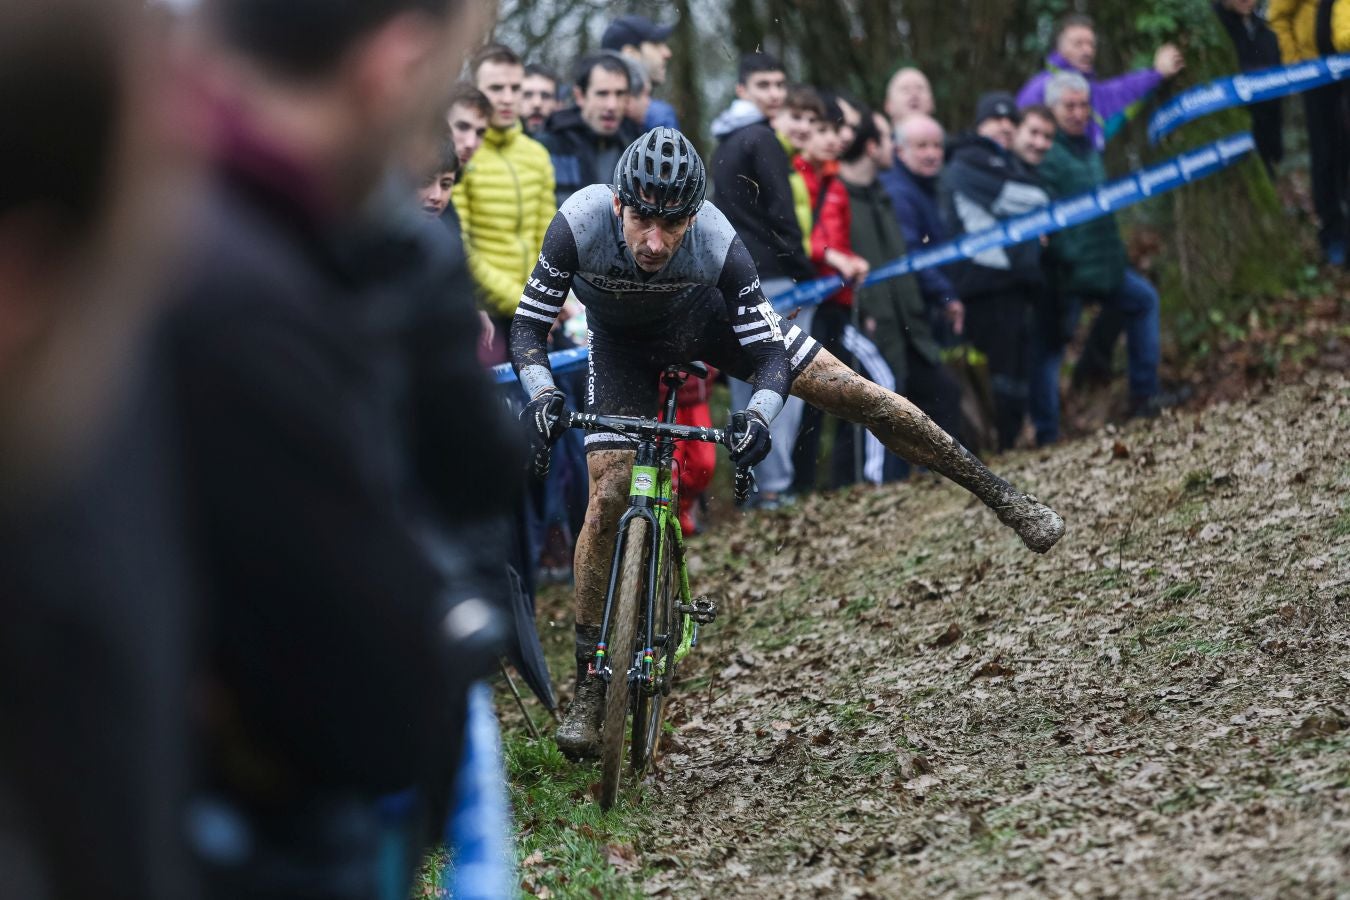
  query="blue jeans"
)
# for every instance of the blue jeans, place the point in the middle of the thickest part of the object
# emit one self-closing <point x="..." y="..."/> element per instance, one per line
<point x="1135" y="304"/>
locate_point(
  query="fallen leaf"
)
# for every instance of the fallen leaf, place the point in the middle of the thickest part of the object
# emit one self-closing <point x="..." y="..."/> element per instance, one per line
<point x="949" y="637"/>
<point x="621" y="856"/>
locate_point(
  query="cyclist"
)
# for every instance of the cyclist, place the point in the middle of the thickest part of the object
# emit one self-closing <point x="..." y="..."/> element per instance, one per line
<point x="666" y="280"/>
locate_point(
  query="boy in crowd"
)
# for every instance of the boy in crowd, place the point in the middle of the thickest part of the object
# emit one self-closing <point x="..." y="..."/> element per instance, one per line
<point x="751" y="172"/>
<point x="832" y="254"/>
<point x="538" y="98"/>
<point x="1001" y="287"/>
<point x="505" y="197"/>
<point x="795" y="125"/>
<point x="433" y="196"/>
<point x="470" y="112"/>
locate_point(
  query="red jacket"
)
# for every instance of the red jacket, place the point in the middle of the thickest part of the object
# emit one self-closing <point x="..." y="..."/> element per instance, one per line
<point x="831" y="216"/>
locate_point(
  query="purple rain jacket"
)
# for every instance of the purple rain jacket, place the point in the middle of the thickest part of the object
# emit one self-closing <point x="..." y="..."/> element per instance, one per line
<point x="1114" y="100"/>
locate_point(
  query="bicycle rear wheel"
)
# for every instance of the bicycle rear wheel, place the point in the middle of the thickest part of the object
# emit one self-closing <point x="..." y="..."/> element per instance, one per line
<point x="623" y="651"/>
<point x="649" y="708"/>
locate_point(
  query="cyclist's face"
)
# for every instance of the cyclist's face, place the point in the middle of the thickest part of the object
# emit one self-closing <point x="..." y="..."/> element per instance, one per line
<point x="651" y="240"/>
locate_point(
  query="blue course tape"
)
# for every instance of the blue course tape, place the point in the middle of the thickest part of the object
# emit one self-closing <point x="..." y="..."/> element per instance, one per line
<point x="1241" y="90"/>
<point x="1110" y="197"/>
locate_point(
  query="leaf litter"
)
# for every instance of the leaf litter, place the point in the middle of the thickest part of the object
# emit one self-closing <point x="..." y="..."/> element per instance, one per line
<point x="900" y="700"/>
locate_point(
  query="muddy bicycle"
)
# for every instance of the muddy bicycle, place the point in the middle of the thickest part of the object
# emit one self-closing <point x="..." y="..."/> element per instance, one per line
<point x="650" y="620"/>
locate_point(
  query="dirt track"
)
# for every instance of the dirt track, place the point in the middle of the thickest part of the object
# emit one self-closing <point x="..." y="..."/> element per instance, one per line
<point x="902" y="701"/>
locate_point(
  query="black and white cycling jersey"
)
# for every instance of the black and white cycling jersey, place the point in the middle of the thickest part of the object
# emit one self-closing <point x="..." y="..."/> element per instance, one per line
<point x="584" y="251"/>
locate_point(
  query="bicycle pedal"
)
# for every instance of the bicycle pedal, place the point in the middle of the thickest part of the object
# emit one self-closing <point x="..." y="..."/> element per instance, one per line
<point x="701" y="610"/>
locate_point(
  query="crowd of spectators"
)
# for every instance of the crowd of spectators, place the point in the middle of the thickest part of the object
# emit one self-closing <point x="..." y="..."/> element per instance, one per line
<point x="299" y="429"/>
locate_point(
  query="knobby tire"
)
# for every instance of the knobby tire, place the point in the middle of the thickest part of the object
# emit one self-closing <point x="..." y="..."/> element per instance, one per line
<point x="622" y="647"/>
<point x="649" y="710"/>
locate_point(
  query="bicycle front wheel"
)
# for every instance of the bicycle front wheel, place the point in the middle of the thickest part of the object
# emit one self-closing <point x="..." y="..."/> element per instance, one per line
<point x="624" y="653"/>
<point x="649" y="708"/>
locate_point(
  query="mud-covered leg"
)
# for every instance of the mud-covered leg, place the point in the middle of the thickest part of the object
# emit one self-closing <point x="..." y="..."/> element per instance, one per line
<point x="578" y="733"/>
<point x="833" y="387"/>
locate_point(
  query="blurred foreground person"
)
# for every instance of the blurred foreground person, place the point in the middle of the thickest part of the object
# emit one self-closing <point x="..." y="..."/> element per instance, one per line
<point x="339" y="439"/>
<point x="94" y="652"/>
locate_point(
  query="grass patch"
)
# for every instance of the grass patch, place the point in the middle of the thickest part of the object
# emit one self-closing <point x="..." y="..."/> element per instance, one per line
<point x="1180" y="591"/>
<point x="1341" y="527"/>
<point x="562" y="837"/>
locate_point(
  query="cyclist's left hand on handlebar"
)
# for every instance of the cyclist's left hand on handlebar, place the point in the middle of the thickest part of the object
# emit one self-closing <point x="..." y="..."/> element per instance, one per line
<point x="750" y="440"/>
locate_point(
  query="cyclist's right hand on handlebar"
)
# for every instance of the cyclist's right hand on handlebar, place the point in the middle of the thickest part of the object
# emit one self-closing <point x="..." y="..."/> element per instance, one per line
<point x="750" y="438"/>
<point x="544" y="417"/>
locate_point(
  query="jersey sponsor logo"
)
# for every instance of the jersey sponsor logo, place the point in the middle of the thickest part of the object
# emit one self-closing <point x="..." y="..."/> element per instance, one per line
<point x="543" y="288"/>
<point x="625" y="286"/>
<point x="552" y="270"/>
<point x="752" y="286"/>
<point x="771" y="316"/>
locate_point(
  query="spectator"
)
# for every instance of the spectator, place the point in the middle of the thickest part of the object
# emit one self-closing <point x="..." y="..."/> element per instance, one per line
<point x="585" y="141"/>
<point x="1114" y="101"/>
<point x="832" y="253"/>
<point x="505" y="197"/>
<point x="637" y="37"/>
<point x="324" y="384"/>
<point x="639" y="89"/>
<point x="1001" y="287"/>
<point x="468" y="117"/>
<point x="433" y="195"/>
<point x="1257" y="48"/>
<point x="1089" y="263"/>
<point x="538" y="97"/>
<point x="912" y="186"/>
<point x="1034" y="137"/>
<point x="908" y="92"/>
<point x="795" y="125"/>
<point x="1307" y="29"/>
<point x="97" y="657"/>
<point x="751" y="172"/>
<point x="892" y="312"/>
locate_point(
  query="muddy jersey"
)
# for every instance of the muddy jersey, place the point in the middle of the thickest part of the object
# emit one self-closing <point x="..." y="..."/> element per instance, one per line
<point x="584" y="252"/>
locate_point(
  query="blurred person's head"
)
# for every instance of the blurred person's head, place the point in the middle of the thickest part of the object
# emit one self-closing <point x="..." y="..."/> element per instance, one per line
<point x="95" y="180"/>
<point x="919" y="144"/>
<point x="345" y="87"/>
<point x="639" y="87"/>
<point x="799" y="114"/>
<point x="762" y="80"/>
<point x="1069" y="96"/>
<point x="907" y="93"/>
<point x="883" y="154"/>
<point x="498" y="72"/>
<point x="996" y="118"/>
<point x="643" y="40"/>
<point x="601" y="92"/>
<point x="538" y="97"/>
<point x="866" y="139"/>
<point x="1076" y="41"/>
<point x="1035" y="134"/>
<point x="433" y="195"/>
<point x="1241" y="7"/>
<point x="468" y="116"/>
<point x="850" y="114"/>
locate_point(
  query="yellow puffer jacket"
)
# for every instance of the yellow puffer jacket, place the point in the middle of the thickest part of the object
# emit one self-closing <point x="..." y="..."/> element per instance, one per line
<point x="801" y="197"/>
<point x="505" y="202"/>
<point x="1295" y="24"/>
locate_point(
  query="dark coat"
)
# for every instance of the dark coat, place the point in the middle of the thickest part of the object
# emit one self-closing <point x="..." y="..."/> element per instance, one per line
<point x="916" y="207"/>
<point x="750" y="171"/>
<point x="896" y="303"/>
<point x="576" y="150"/>
<point x="1088" y="259"/>
<point x="981" y="184"/>
<point x="334" y="419"/>
<point x="1258" y="48"/>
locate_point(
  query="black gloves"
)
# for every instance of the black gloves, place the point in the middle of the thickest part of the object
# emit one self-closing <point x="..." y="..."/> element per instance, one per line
<point x="543" y="415"/>
<point x="750" y="438"/>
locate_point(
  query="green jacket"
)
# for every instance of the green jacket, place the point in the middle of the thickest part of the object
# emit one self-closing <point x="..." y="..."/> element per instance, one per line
<point x="1089" y="258"/>
<point x="895" y="304"/>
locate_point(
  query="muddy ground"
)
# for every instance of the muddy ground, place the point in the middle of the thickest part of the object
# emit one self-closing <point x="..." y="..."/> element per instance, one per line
<point x="900" y="700"/>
